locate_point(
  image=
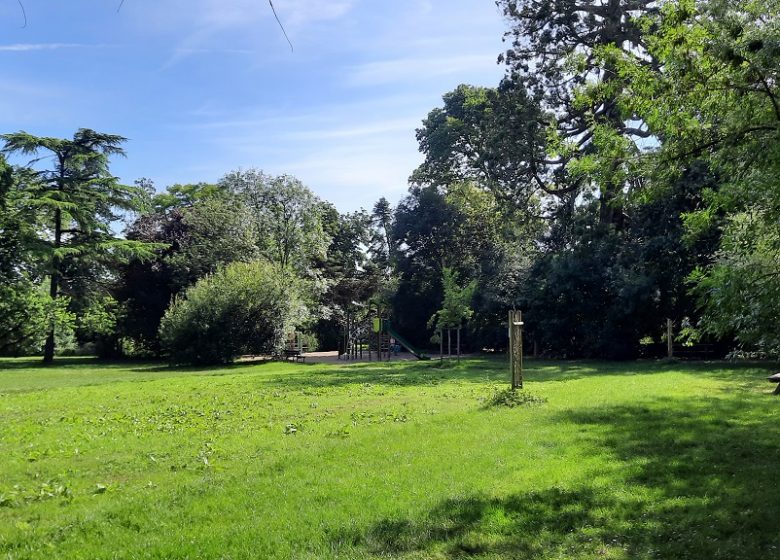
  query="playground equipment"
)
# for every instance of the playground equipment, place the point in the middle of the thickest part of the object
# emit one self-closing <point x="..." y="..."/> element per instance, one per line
<point x="419" y="354"/>
<point x="370" y="336"/>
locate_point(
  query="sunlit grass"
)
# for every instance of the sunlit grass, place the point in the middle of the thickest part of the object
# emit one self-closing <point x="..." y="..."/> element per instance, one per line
<point x="406" y="460"/>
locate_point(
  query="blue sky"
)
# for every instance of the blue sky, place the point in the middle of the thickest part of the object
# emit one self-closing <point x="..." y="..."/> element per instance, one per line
<point x="201" y="87"/>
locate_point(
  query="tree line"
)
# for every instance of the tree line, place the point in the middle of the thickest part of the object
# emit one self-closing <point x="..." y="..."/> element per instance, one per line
<point x="635" y="143"/>
<point x="622" y="173"/>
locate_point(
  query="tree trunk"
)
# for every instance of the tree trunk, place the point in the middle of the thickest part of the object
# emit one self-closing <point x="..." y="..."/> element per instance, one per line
<point x="54" y="285"/>
<point x="458" y="344"/>
<point x="449" y="343"/>
<point x="441" y="345"/>
<point x="611" y="197"/>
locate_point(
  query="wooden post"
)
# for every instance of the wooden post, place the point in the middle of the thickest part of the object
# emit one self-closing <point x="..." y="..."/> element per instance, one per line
<point x="516" y="348"/>
<point x="441" y="346"/>
<point x="669" y="339"/>
<point x="449" y="343"/>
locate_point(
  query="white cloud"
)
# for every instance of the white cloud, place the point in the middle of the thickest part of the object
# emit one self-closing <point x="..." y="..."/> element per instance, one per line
<point x="214" y="51"/>
<point x="350" y="153"/>
<point x="242" y="13"/>
<point x="356" y="131"/>
<point x="207" y="19"/>
<point x="413" y="69"/>
<point x="298" y="13"/>
<point x="341" y="112"/>
<point x="26" y="47"/>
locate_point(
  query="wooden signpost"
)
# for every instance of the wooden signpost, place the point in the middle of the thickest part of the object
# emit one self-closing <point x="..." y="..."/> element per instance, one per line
<point x="516" y="348"/>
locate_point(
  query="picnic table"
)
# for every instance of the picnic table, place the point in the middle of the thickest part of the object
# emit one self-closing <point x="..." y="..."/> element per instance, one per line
<point x="294" y="355"/>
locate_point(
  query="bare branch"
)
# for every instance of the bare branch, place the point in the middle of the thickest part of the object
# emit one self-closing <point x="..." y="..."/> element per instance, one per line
<point x="24" y="13"/>
<point x="280" y="25"/>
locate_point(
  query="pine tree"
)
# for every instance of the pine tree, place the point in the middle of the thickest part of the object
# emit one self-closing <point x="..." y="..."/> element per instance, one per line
<point x="75" y="202"/>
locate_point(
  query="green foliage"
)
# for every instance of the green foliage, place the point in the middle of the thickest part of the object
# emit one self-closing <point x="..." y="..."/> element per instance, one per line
<point x="740" y="292"/>
<point x="456" y="307"/>
<point x="100" y="318"/>
<point x="345" y="275"/>
<point x="209" y="230"/>
<point x="381" y="246"/>
<point x="217" y="231"/>
<point x="713" y="98"/>
<point x="486" y="137"/>
<point x="28" y="315"/>
<point x="99" y="323"/>
<point x="597" y="292"/>
<point x="285" y="214"/>
<point x="554" y="55"/>
<point x="185" y="196"/>
<point x="467" y="229"/>
<point x="244" y="308"/>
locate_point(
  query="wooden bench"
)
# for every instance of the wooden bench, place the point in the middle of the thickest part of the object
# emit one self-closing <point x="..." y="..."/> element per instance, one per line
<point x="294" y="355"/>
<point x="775" y="379"/>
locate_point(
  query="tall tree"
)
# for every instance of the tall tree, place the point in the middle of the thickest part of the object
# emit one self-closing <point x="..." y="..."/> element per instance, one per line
<point x="381" y="244"/>
<point x="489" y="137"/>
<point x="346" y="274"/>
<point x="286" y="217"/>
<point x="597" y="292"/>
<point x="76" y="201"/>
<point x="198" y="229"/>
<point x="554" y="54"/>
<point x="714" y="96"/>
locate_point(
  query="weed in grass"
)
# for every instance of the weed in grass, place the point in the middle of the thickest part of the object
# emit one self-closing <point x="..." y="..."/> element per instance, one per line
<point x="511" y="398"/>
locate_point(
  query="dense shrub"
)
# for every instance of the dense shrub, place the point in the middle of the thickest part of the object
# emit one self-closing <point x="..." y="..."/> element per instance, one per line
<point x="244" y="308"/>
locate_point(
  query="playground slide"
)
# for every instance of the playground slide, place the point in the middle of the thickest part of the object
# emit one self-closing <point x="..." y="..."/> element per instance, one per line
<point x="402" y="341"/>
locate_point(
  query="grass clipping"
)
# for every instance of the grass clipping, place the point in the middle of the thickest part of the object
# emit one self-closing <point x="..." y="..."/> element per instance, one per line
<point x="513" y="398"/>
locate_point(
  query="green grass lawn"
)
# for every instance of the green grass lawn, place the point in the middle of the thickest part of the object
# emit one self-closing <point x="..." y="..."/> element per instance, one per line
<point x="401" y="460"/>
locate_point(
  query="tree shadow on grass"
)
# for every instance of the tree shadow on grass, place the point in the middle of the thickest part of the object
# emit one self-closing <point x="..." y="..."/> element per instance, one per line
<point x="151" y="365"/>
<point x="560" y="370"/>
<point x="485" y="369"/>
<point x="691" y="479"/>
<point x="532" y="525"/>
<point x="496" y="370"/>
<point x="26" y="375"/>
<point x="65" y="363"/>
<point x="227" y="369"/>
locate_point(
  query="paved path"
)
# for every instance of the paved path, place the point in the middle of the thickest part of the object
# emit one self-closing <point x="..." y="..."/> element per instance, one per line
<point x="333" y="357"/>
